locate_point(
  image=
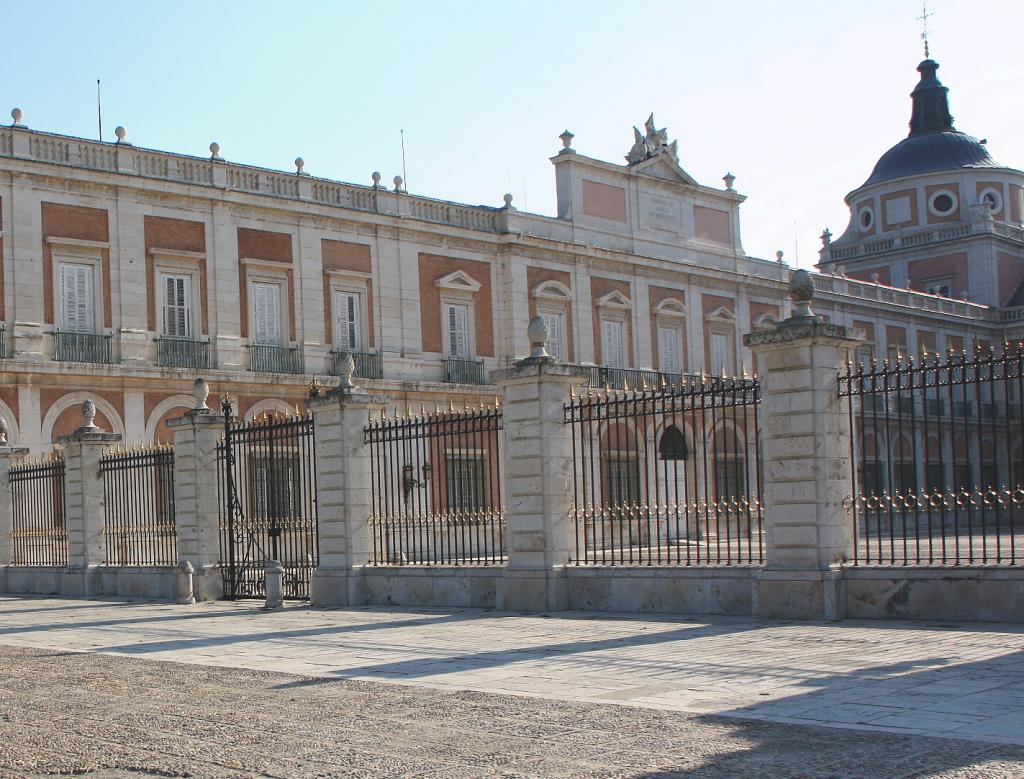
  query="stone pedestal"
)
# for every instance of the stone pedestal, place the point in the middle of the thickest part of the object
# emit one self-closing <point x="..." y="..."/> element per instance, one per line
<point x="85" y="508"/>
<point x="805" y="444"/>
<point x="196" y="498"/>
<point x="538" y="469"/>
<point x="344" y="495"/>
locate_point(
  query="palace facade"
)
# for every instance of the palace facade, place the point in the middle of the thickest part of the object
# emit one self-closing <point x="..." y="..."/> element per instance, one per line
<point x="129" y="272"/>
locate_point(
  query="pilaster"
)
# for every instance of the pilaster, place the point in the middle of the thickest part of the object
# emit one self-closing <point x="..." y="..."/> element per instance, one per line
<point x="7" y="456"/>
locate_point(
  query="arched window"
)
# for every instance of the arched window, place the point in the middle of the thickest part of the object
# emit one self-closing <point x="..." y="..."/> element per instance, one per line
<point x="673" y="445"/>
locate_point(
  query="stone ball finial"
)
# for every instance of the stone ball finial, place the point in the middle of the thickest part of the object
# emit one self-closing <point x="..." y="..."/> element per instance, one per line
<point x="214" y="151"/>
<point x="537" y="333"/>
<point x="89" y="414"/>
<point x="346" y="367"/>
<point x="16" y="115"/>
<point x="507" y="197"/>
<point x="375" y="176"/>
<point x="200" y="392"/>
<point x="299" y="165"/>
<point x="728" y="178"/>
<point x="3" y="431"/>
<point x="566" y="138"/>
<point x="397" y="181"/>
<point x="778" y="255"/>
<point x="801" y="292"/>
<point x="120" y="133"/>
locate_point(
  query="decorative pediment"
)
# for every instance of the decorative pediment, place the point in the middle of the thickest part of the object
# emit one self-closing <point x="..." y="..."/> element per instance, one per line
<point x="458" y="281"/>
<point x="763" y="322"/>
<point x="670" y="307"/>
<point x="614" y="299"/>
<point x="665" y="168"/>
<point x="721" y="314"/>
<point x="552" y="290"/>
<point x="653" y="154"/>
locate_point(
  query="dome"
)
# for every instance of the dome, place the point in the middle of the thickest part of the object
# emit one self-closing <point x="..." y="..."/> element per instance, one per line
<point x="934" y="144"/>
<point x="931" y="152"/>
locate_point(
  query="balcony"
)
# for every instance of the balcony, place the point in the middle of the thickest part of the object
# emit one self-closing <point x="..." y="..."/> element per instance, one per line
<point x="182" y="353"/>
<point x="368" y="364"/>
<point x="633" y="378"/>
<point x="274" y="359"/>
<point x="83" y="347"/>
<point x="464" y="371"/>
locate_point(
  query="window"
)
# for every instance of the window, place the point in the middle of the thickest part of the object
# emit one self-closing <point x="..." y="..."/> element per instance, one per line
<point x="456" y="331"/>
<point x="992" y="198"/>
<point x="612" y="343"/>
<point x="942" y="203"/>
<point x="865" y="354"/>
<point x="555" y="324"/>
<point x="464" y="475"/>
<point x="731" y="478"/>
<point x="668" y="349"/>
<point x="266" y="313"/>
<point x="77" y="312"/>
<point x="275" y="486"/>
<point x="623" y="473"/>
<point x="176" y="306"/>
<point x="719" y="344"/>
<point x="347" y="321"/>
<point x="867" y="219"/>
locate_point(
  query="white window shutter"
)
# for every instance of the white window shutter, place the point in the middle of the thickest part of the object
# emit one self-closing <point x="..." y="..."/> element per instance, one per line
<point x="612" y="344"/>
<point x="177" y="306"/>
<point x="668" y="349"/>
<point x="77" y="312"/>
<point x="456" y="331"/>
<point x="347" y="321"/>
<point x="554" y="325"/>
<point x="719" y="353"/>
<point x="266" y="314"/>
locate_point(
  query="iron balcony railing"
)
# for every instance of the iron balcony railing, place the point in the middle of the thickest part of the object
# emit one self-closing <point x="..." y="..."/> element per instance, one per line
<point x="182" y="353"/>
<point x="369" y="365"/>
<point x="274" y="359"/>
<point x="464" y="371"/>
<point x="3" y="341"/>
<point x="631" y="378"/>
<point x="82" y="347"/>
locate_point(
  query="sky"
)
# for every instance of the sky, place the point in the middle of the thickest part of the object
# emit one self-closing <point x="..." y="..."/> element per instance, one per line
<point x="796" y="99"/>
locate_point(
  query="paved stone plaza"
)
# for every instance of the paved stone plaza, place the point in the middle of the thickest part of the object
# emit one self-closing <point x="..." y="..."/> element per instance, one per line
<point x="299" y="692"/>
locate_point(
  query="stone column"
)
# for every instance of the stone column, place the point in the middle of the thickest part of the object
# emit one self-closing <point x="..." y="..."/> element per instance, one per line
<point x="538" y="485"/>
<point x="343" y="492"/>
<point x="85" y="504"/>
<point x="805" y="444"/>
<point x="7" y="454"/>
<point x="196" y="498"/>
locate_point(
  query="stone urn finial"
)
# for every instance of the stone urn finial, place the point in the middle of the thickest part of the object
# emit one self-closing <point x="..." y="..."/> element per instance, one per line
<point x="3" y="431"/>
<point x="89" y="414"/>
<point x="346" y="368"/>
<point x="566" y="138"/>
<point x="801" y="292"/>
<point x="200" y="392"/>
<point x="537" y="333"/>
<point x="729" y="179"/>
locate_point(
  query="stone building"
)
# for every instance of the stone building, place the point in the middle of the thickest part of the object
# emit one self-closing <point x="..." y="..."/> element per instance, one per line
<point x="126" y="272"/>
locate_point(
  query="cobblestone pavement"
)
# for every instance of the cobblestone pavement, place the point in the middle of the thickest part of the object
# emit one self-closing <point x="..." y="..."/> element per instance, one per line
<point x="958" y="681"/>
<point x="116" y="717"/>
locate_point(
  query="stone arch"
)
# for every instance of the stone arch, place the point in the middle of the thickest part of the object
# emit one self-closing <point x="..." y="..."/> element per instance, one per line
<point x="106" y="415"/>
<point x="269" y="406"/>
<point x="13" y="430"/>
<point x="156" y="430"/>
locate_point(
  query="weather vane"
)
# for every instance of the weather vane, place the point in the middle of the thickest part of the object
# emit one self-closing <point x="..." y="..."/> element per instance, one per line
<point x="923" y="18"/>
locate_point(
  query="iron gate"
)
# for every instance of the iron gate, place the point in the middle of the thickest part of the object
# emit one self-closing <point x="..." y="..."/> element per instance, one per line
<point x="267" y="488"/>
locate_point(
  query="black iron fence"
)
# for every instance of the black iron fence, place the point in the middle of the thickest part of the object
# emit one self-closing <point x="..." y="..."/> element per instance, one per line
<point x="630" y="378"/>
<point x="938" y="453"/>
<point x="267" y="488"/>
<point x="182" y="353"/>
<point x="138" y="491"/>
<point x="83" y="347"/>
<point x="437" y="488"/>
<point x="667" y="476"/>
<point x="39" y="532"/>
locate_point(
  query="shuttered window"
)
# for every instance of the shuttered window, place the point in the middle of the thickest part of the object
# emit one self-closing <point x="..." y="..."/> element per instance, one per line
<point x="456" y="324"/>
<point x="719" y="353"/>
<point x="612" y="343"/>
<point x="176" y="293"/>
<point x="266" y="313"/>
<point x="556" y="329"/>
<point x="347" y="322"/>
<point x="668" y="349"/>
<point x="77" y="311"/>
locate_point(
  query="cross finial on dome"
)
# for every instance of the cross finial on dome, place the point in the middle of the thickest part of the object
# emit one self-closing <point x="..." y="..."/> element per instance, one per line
<point x="923" y="18"/>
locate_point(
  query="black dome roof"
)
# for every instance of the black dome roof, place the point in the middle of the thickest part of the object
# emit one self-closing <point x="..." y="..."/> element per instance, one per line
<point x="934" y="144"/>
<point x="930" y="152"/>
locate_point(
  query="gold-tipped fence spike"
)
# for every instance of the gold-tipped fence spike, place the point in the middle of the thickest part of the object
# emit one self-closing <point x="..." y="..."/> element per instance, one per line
<point x="451" y="405"/>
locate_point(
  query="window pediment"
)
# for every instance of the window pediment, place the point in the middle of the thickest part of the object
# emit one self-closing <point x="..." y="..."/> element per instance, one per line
<point x="614" y="299"/>
<point x="670" y="307"/>
<point x="721" y="314"/>
<point x="552" y="290"/>
<point x="458" y="281"/>
<point x="764" y="322"/>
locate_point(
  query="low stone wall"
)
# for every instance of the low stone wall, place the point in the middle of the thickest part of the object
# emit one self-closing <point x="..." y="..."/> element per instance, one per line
<point x="712" y="590"/>
<point x="413" y="585"/>
<point x="964" y="594"/>
<point x="155" y="582"/>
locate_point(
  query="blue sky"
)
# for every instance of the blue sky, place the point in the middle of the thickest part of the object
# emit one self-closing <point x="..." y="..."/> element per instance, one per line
<point x="797" y="99"/>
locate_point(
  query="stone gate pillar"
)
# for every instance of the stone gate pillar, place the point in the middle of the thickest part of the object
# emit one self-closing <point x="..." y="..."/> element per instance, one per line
<point x="196" y="497"/>
<point x="85" y="504"/>
<point x="805" y="444"/>
<point x="539" y="478"/>
<point x="7" y="455"/>
<point x="343" y="490"/>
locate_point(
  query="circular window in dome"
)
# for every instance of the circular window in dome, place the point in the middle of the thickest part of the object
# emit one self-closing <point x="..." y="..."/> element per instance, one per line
<point x="993" y="198"/>
<point x="942" y="203"/>
<point x="867" y="219"/>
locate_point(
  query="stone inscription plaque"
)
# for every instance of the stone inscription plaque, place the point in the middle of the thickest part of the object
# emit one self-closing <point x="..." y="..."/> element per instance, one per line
<point x="660" y="213"/>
